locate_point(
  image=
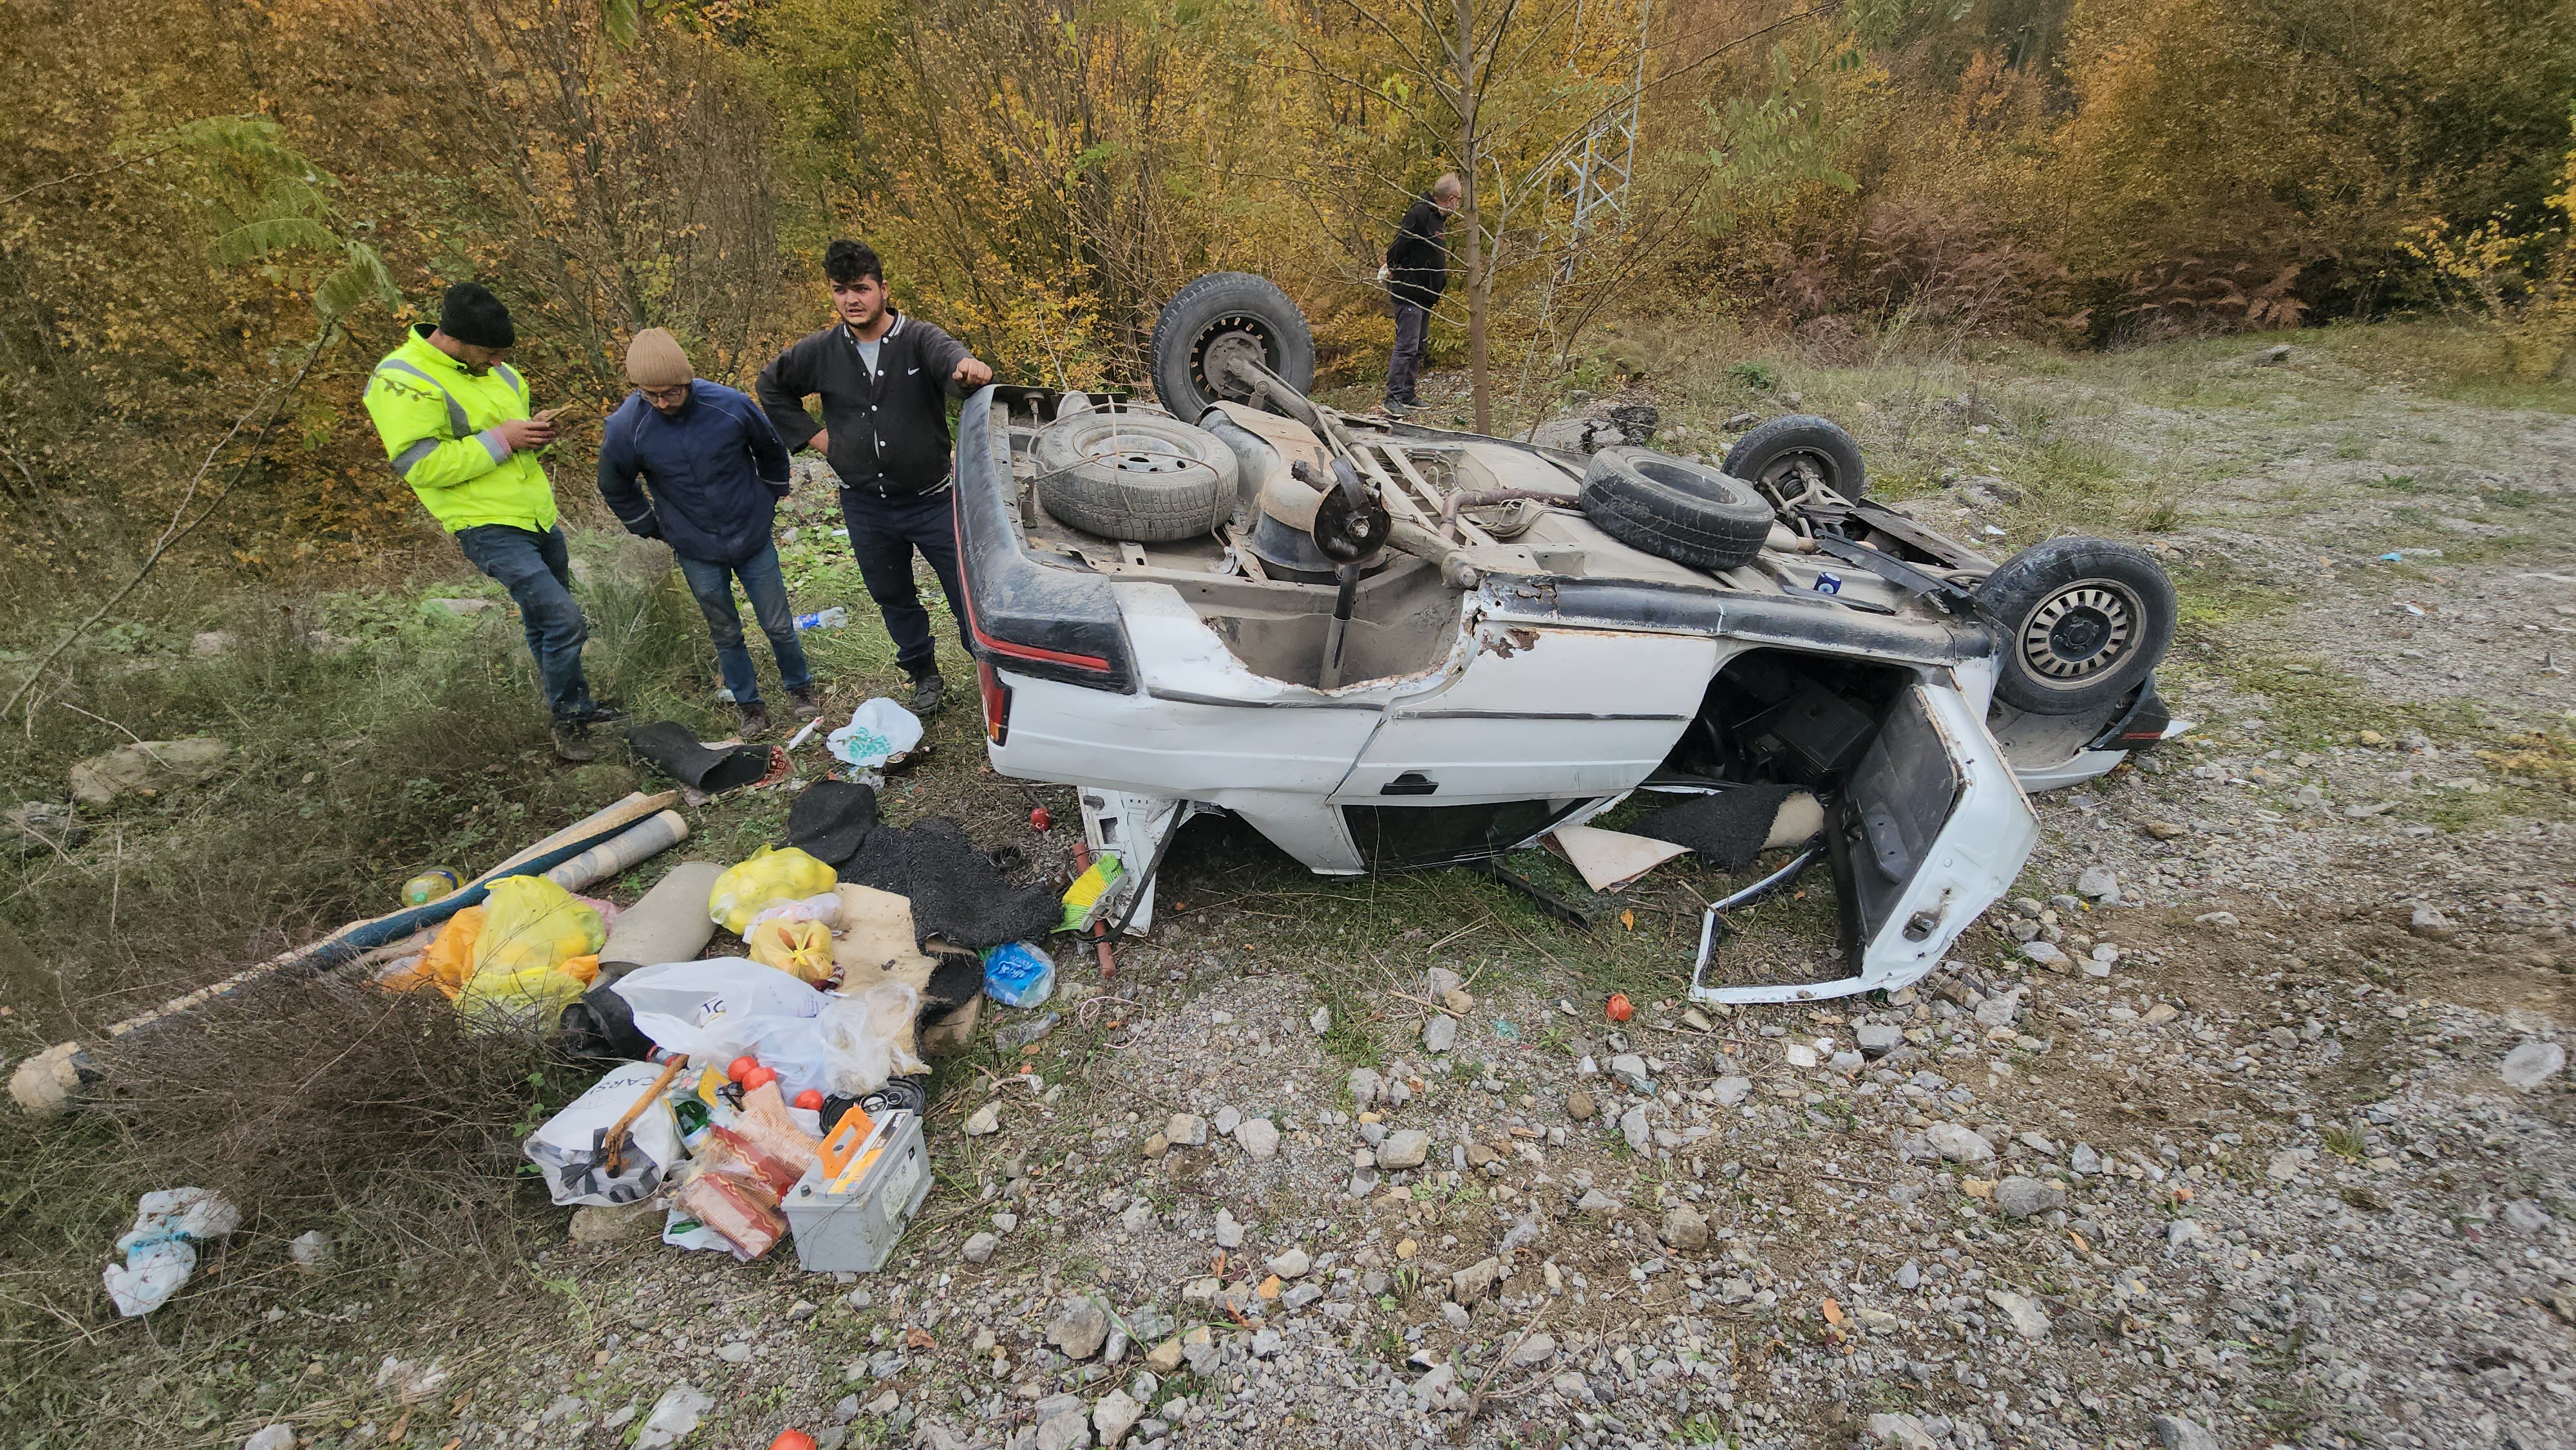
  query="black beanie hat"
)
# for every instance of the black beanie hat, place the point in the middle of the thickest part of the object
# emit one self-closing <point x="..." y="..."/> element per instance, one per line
<point x="472" y="314"/>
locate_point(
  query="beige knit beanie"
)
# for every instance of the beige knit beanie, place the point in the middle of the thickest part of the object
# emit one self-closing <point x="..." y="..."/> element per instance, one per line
<point x="654" y="360"/>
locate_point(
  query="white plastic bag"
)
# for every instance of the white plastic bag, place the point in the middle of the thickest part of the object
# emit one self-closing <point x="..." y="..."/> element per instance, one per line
<point x="716" y="1009"/>
<point x="160" y="1250"/>
<point x="878" y="732"/>
<point x="568" y="1150"/>
<point x="824" y="907"/>
<point x="862" y="1038"/>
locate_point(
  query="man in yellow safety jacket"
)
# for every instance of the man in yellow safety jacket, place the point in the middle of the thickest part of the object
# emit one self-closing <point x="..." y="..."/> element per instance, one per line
<point x="456" y="424"/>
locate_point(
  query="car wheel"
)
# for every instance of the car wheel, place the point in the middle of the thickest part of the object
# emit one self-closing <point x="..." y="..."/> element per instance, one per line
<point x="2082" y="622"/>
<point x="1786" y="457"/>
<point x="1674" y="510"/>
<point x="1226" y="314"/>
<point x="1134" y="476"/>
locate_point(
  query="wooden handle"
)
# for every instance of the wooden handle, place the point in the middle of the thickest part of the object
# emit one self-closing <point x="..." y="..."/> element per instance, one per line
<point x="616" y="1141"/>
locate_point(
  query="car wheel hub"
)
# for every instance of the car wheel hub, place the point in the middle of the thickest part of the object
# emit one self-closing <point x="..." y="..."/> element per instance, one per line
<point x="1225" y="341"/>
<point x="1137" y="453"/>
<point x="2079" y="632"/>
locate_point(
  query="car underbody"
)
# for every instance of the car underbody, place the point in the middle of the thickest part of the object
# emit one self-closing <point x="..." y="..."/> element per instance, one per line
<point x="1404" y="647"/>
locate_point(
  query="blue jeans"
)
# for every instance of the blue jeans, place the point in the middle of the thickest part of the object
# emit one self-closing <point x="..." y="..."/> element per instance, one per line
<point x="883" y="534"/>
<point x="712" y="583"/>
<point x="537" y="570"/>
<point x="1412" y="351"/>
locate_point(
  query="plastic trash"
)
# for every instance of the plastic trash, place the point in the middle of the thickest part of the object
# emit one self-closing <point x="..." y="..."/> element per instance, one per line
<point x="832" y="617"/>
<point x="770" y="875"/>
<point x="879" y="731"/>
<point x="1091" y="893"/>
<point x="864" y="1038"/>
<point x="1017" y="974"/>
<point x="448" y="963"/>
<point x="531" y="924"/>
<point x="714" y="1010"/>
<point x="824" y="907"/>
<point x="160" y="1250"/>
<point x="435" y="884"/>
<point x="570" y="1149"/>
<point x="803" y="948"/>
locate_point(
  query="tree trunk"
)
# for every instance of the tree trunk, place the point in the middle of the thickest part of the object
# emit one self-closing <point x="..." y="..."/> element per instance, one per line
<point x="1470" y="97"/>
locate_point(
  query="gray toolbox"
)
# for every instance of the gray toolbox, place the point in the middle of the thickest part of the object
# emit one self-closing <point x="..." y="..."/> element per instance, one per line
<point x="850" y="1208"/>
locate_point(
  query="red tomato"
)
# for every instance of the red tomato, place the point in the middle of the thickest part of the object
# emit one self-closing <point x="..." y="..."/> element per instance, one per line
<point x="758" y="1077"/>
<point x="810" y="1098"/>
<point x="1041" y="818"/>
<point x="741" y="1067"/>
<point x="792" y="1440"/>
<point x="1619" y="1007"/>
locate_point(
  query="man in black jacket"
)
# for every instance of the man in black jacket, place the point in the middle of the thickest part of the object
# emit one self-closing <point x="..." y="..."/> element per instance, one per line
<point x="1415" y="274"/>
<point x="885" y="380"/>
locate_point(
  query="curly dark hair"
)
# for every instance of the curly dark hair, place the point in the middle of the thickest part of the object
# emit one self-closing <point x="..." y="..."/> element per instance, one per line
<point x="846" y="261"/>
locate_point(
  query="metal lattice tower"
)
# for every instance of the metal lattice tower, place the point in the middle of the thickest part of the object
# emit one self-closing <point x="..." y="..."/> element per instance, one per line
<point x="1600" y="171"/>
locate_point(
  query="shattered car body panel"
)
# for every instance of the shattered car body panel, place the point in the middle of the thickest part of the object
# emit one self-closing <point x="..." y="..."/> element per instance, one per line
<point x="1490" y="688"/>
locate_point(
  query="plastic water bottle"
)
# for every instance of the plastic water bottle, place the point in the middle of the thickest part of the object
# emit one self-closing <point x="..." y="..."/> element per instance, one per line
<point x="831" y="618"/>
<point x="431" y="885"/>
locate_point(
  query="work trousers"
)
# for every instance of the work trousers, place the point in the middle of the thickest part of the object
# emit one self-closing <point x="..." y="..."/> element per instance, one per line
<point x="537" y="570"/>
<point x="1412" y="351"/>
<point x="712" y="583"/>
<point x="884" y="533"/>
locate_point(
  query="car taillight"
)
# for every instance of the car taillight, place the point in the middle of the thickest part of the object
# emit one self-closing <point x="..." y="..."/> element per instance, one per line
<point x="997" y="704"/>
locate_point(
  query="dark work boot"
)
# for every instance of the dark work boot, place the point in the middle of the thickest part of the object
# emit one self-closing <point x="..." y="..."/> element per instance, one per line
<point x="755" y="719"/>
<point x="801" y="702"/>
<point x="927" y="691"/>
<point x="573" y="742"/>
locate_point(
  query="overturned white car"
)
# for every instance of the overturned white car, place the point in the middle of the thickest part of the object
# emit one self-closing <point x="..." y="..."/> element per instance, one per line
<point x="1387" y="646"/>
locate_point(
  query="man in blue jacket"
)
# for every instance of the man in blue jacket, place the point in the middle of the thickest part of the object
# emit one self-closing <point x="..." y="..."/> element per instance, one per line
<point x="717" y="470"/>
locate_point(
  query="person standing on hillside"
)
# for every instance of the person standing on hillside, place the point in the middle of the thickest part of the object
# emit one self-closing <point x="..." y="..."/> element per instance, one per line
<point x="885" y="379"/>
<point x="1416" y="273"/>
<point x="717" y="470"/>
<point x="455" y="423"/>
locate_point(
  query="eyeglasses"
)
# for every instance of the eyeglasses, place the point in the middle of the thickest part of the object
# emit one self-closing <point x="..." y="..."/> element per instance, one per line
<point x="665" y="395"/>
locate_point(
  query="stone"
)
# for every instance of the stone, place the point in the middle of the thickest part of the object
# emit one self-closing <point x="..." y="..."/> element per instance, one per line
<point x="2525" y="1215"/>
<point x="2284" y="1166"/>
<point x="1910" y="1277"/>
<point x="43" y="826"/>
<point x="1404" y="1148"/>
<point x="1878" y="1039"/>
<point x="1474" y="1282"/>
<point x="207" y="643"/>
<point x="2020" y="1196"/>
<point x="1138" y="1216"/>
<point x="1227" y="1119"/>
<point x="2430" y="923"/>
<point x="1156" y="1146"/>
<point x="146" y="767"/>
<point x="1320" y="1021"/>
<point x="2084" y="1161"/>
<point x="1443" y="981"/>
<point x="1683" y="1228"/>
<point x="1440" y="1033"/>
<point x="1229" y="1233"/>
<point x="2174" y="1432"/>
<point x="1165" y="1357"/>
<point x="1957" y="1144"/>
<point x="1455" y="1315"/>
<point x="2029" y="1320"/>
<point x="591" y="1224"/>
<point x="2531" y="1064"/>
<point x="1902" y="1431"/>
<point x="1259" y="1138"/>
<point x="1364" y="1086"/>
<point x="2160" y="1014"/>
<point x="736" y="1352"/>
<point x="1079" y="1329"/>
<point x="1005" y="1222"/>
<point x="980" y="1248"/>
<point x="1597" y="1203"/>
<point x="1580" y="1107"/>
<point x="271" y="1437"/>
<point x="674" y="1417"/>
<point x="1629" y="1068"/>
<point x="1731" y="1091"/>
<point x="1291" y="1263"/>
<point x="1799" y="1054"/>
<point x="1114" y="1416"/>
<point x="1534" y="1351"/>
<point x="1634" y="1128"/>
<point x="1064" y="1423"/>
<point x="2043" y="953"/>
<point x="1186" y="1130"/>
<point x="985" y="1120"/>
<point x="1998" y="1012"/>
<point x="2097" y="884"/>
<point x="311" y="1250"/>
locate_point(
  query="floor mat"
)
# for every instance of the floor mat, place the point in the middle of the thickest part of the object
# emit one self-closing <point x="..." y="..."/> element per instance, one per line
<point x="1726" y="829"/>
<point x="957" y="894"/>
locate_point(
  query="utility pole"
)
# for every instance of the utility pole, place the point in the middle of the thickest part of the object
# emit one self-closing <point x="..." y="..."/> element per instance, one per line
<point x="1601" y="169"/>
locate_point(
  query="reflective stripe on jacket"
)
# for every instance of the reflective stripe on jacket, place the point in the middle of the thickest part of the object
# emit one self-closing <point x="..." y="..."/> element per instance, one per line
<point x="441" y="429"/>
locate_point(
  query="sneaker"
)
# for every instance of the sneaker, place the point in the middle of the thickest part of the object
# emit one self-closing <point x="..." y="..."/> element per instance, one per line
<point x="755" y="719"/>
<point x="1397" y="407"/>
<point x="573" y="742"/>
<point x="927" y="691"/>
<point x="802" y="703"/>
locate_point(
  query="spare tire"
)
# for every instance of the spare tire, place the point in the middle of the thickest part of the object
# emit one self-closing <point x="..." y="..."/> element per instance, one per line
<point x="1774" y="454"/>
<point x="2083" y="622"/>
<point x="1685" y="512"/>
<point x="1138" y="476"/>
<point x="1222" y="313"/>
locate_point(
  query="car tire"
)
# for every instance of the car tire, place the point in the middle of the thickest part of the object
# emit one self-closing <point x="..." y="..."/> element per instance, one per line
<point x="1135" y="476"/>
<point x="2081" y="622"/>
<point x="1685" y="512"/>
<point x="1226" y="310"/>
<point x="1763" y="456"/>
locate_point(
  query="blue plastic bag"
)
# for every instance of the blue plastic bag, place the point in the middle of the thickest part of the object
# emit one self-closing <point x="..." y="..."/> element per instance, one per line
<point x="1017" y="974"/>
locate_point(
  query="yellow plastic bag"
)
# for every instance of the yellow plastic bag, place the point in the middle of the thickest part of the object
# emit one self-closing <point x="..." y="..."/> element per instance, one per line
<point x="803" y="948"/>
<point x="448" y="962"/>
<point x="531" y="923"/>
<point x="770" y="875"/>
<point x="532" y="996"/>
